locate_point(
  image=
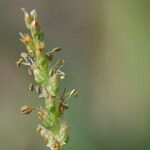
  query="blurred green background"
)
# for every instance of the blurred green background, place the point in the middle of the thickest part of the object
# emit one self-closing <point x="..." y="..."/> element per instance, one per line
<point x="106" y="45"/>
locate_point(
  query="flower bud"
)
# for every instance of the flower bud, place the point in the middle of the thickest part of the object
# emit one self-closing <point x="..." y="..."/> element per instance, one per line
<point x="28" y="18"/>
<point x="18" y="63"/>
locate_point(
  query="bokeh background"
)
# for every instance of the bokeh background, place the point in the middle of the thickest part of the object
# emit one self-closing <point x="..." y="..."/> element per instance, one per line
<point x="106" y="45"/>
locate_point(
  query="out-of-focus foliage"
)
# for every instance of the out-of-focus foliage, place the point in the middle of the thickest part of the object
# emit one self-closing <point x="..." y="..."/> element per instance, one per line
<point x="106" y="48"/>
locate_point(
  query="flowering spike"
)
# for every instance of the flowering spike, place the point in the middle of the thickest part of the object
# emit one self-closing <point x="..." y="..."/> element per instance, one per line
<point x="47" y="75"/>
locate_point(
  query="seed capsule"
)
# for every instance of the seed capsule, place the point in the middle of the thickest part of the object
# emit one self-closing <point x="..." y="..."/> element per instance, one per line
<point x="56" y="49"/>
<point x="26" y="110"/>
<point x="28" y="17"/>
<point x="50" y="56"/>
<point x="31" y="87"/>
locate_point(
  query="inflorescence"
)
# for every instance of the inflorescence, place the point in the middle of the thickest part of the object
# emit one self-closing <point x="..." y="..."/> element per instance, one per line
<point x="47" y="75"/>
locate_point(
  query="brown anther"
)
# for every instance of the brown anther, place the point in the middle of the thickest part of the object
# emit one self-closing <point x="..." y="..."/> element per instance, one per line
<point x="62" y="107"/>
<point x="26" y="39"/>
<point x="56" y="49"/>
<point x="31" y="87"/>
<point x="26" y="110"/>
<point x="74" y="93"/>
<point x="50" y="56"/>
<point x="37" y="90"/>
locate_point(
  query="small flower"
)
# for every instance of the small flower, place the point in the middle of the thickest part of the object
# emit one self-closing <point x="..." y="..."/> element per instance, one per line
<point x="28" y="18"/>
